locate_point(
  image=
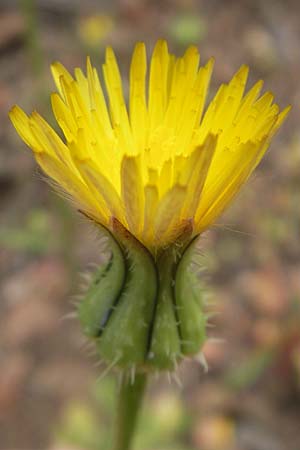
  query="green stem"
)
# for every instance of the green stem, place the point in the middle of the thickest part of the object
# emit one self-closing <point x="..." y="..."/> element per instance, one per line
<point x="29" y="10"/>
<point x="128" y="407"/>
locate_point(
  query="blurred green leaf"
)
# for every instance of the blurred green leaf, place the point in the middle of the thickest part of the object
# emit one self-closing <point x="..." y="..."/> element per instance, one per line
<point x="104" y="393"/>
<point x="79" y="427"/>
<point x="187" y="29"/>
<point x="162" y="422"/>
<point x="29" y="9"/>
<point x="250" y="370"/>
<point x="34" y="236"/>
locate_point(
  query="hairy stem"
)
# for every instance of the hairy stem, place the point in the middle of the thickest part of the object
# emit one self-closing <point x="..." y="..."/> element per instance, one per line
<point x="128" y="408"/>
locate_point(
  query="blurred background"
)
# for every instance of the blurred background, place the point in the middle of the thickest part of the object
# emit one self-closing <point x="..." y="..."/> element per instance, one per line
<point x="51" y="392"/>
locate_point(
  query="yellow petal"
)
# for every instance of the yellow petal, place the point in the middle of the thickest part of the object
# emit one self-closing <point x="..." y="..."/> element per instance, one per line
<point x="101" y="188"/>
<point x="218" y="194"/>
<point x="151" y="202"/>
<point x="137" y="103"/>
<point x="59" y="73"/>
<point x="199" y="163"/>
<point x="168" y="213"/>
<point x="21" y="123"/>
<point x="132" y="193"/>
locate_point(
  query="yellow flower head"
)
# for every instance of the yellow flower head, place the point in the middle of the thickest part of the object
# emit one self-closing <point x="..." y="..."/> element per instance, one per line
<point x="163" y="160"/>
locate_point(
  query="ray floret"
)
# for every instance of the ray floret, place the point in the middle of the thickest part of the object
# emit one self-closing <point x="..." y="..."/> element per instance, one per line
<point x="163" y="159"/>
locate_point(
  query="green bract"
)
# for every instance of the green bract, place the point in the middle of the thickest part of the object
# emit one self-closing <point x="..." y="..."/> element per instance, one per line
<point x="145" y="314"/>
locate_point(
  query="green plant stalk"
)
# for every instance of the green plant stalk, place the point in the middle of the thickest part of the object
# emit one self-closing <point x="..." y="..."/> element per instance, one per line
<point x="128" y="408"/>
<point x="29" y="11"/>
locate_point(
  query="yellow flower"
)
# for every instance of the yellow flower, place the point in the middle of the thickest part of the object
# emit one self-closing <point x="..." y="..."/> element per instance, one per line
<point x="95" y="28"/>
<point x="163" y="160"/>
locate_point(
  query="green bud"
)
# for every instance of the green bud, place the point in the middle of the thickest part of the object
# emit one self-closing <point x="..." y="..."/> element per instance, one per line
<point x="165" y="348"/>
<point x="189" y="299"/>
<point x="106" y="286"/>
<point x="145" y="314"/>
<point x="125" y="338"/>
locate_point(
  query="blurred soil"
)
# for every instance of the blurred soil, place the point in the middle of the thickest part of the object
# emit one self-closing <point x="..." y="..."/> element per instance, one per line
<point x="250" y="398"/>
